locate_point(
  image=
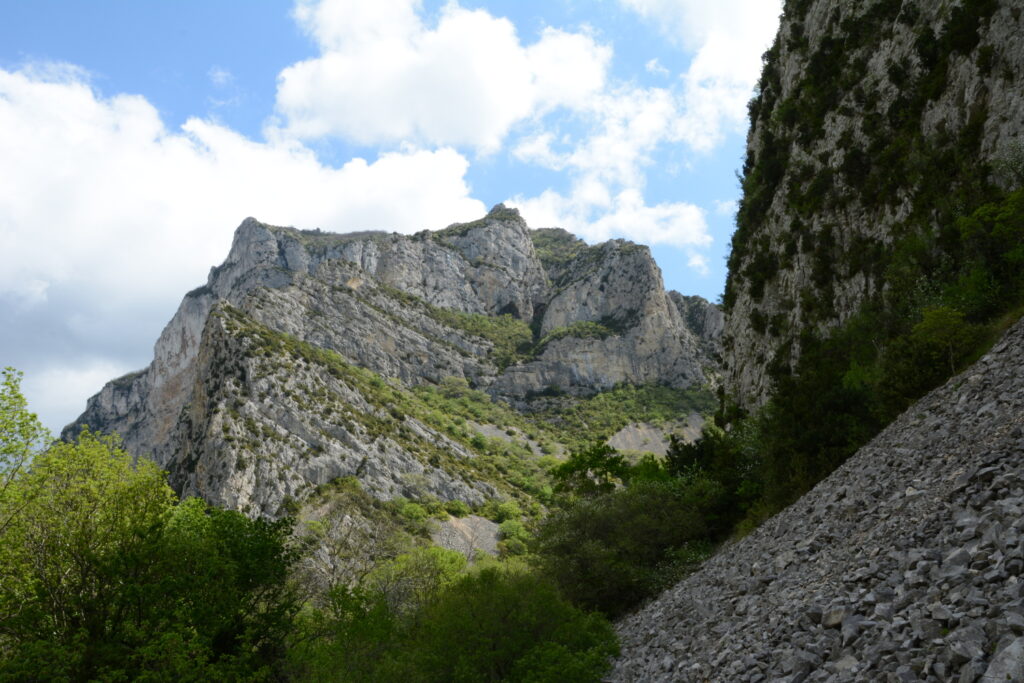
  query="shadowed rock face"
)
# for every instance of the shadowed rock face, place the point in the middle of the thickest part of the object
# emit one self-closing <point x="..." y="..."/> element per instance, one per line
<point x="385" y="302"/>
<point x="907" y="563"/>
<point x="859" y="105"/>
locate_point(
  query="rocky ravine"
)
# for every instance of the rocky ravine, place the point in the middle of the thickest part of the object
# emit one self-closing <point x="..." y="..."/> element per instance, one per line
<point x="258" y="392"/>
<point x="906" y="564"/>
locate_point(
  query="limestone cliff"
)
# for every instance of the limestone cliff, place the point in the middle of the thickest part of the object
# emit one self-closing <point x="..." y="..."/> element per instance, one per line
<point x="295" y="364"/>
<point x="875" y="124"/>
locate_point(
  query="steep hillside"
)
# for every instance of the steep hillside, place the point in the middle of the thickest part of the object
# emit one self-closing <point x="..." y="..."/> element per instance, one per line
<point x="875" y="127"/>
<point x="905" y="564"/>
<point x="397" y="360"/>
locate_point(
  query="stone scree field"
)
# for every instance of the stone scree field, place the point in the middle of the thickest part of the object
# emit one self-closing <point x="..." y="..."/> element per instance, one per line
<point x="906" y="564"/>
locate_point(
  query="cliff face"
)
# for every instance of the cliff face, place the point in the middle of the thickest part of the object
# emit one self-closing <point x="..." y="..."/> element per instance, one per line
<point x="875" y="124"/>
<point x="296" y="363"/>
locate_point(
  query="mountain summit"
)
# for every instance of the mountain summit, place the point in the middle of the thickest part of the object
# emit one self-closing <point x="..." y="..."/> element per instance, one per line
<point x="299" y="360"/>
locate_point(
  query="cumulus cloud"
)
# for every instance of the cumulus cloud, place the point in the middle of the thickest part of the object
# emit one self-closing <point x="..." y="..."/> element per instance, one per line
<point x="594" y="214"/>
<point x="628" y="125"/>
<point x="103" y="178"/>
<point x="608" y="166"/>
<point x="727" y="38"/>
<point x="110" y="215"/>
<point x="751" y="25"/>
<point x="385" y="76"/>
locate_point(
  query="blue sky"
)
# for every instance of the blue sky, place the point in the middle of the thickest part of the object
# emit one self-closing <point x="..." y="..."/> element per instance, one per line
<point x="136" y="135"/>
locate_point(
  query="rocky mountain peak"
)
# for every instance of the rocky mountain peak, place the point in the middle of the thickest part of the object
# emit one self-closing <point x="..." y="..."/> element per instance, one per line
<point x="294" y="321"/>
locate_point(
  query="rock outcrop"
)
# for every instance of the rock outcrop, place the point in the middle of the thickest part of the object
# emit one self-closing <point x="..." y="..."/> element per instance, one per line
<point x="255" y="396"/>
<point x="874" y="121"/>
<point x="906" y="564"/>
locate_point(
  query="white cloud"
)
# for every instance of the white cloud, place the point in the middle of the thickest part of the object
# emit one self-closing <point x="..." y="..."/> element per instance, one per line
<point x="727" y="38"/>
<point x="690" y="23"/>
<point x="592" y="213"/>
<point x="726" y="207"/>
<point x="384" y="76"/>
<point x="698" y="262"/>
<point x="608" y="167"/>
<point x="107" y="212"/>
<point x="653" y="66"/>
<point x="84" y="180"/>
<point x="219" y="76"/>
<point x="57" y="394"/>
<point x="628" y="125"/>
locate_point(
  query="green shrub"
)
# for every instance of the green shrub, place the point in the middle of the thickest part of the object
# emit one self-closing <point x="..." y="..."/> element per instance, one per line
<point x="508" y="626"/>
<point x="457" y="508"/>
<point x="608" y="552"/>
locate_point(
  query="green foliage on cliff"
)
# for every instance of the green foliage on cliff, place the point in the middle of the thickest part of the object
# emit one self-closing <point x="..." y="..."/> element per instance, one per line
<point x="884" y="157"/>
<point x="581" y="329"/>
<point x="847" y="386"/>
<point x="581" y="423"/>
<point x="946" y="275"/>
<point x="510" y="465"/>
<point x="556" y="247"/>
<point x="512" y="338"/>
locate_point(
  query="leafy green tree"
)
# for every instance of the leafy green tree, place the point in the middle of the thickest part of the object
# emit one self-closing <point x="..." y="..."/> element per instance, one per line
<point x="21" y="436"/>
<point x="944" y="337"/>
<point x="501" y="625"/>
<point x="355" y="638"/>
<point x="514" y="537"/>
<point x="103" y="577"/>
<point x="607" y="552"/>
<point x="411" y="579"/>
<point x="73" y="551"/>
<point x="229" y="578"/>
<point x="591" y="472"/>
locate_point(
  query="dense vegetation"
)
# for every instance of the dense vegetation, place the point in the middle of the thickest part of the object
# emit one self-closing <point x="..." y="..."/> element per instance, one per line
<point x="849" y="385"/>
<point x="105" y="575"/>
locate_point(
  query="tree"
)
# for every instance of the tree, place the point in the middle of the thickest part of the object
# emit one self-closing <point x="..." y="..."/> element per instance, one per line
<point x="944" y="337"/>
<point x="594" y="471"/>
<point x="103" y="576"/>
<point x="413" y="578"/>
<point x="21" y="436"/>
<point x="608" y="552"/>
<point x="83" y="525"/>
<point x="505" y="625"/>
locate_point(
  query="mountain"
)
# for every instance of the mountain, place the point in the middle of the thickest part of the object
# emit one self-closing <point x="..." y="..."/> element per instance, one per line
<point x="309" y="356"/>
<point x="875" y="126"/>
